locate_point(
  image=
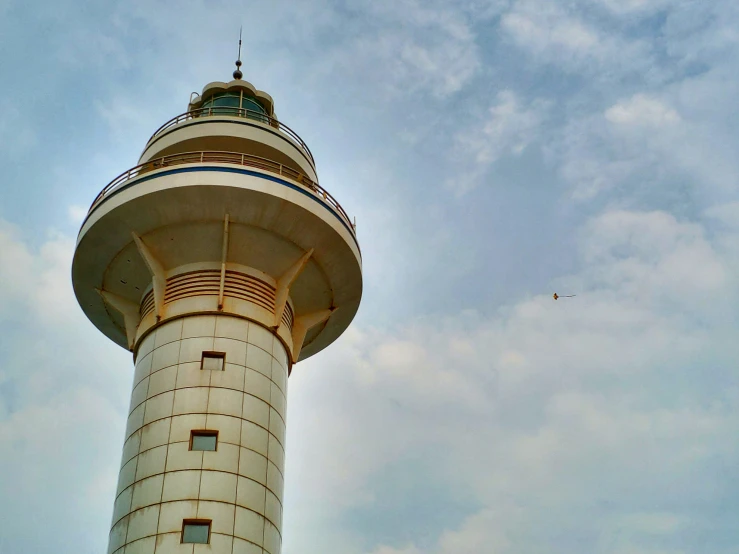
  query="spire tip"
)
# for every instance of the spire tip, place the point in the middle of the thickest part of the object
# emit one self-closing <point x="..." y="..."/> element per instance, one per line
<point x="238" y="74"/>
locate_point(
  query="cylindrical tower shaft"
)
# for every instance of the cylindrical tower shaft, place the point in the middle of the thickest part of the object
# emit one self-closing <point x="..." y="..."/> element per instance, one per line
<point x="205" y="439"/>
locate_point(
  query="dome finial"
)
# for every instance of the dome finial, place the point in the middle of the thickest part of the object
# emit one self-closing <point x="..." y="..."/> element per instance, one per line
<point x="237" y="73"/>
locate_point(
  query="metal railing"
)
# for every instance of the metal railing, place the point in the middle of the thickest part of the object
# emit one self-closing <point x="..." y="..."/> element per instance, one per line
<point x="222" y="158"/>
<point x="236" y="112"/>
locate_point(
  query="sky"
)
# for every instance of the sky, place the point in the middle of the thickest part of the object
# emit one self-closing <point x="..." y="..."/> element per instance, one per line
<point x="493" y="152"/>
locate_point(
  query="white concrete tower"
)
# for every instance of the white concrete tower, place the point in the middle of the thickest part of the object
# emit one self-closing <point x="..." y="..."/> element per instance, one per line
<point x="219" y="262"/>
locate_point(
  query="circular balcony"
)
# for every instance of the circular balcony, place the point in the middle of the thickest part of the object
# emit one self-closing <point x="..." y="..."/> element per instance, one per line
<point x="243" y="113"/>
<point x="232" y="158"/>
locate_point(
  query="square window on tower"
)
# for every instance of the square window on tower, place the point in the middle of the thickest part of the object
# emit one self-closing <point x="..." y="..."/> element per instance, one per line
<point x="204" y="440"/>
<point x="213" y="361"/>
<point x="196" y="531"/>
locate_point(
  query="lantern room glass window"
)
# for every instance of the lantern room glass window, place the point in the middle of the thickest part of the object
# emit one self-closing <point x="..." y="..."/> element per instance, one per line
<point x="252" y="105"/>
<point x="223" y="104"/>
<point x="231" y="103"/>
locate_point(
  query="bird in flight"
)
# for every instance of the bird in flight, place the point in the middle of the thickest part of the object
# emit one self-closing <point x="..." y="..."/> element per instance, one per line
<point x="555" y="296"/>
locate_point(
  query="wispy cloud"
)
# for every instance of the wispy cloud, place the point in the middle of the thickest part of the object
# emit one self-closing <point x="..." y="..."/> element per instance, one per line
<point x="77" y="214"/>
<point x="410" y="47"/>
<point x="644" y="141"/>
<point x="553" y="397"/>
<point x="62" y="398"/>
<point x="562" y="35"/>
<point x="642" y="110"/>
<point x="509" y="127"/>
<point x="465" y="411"/>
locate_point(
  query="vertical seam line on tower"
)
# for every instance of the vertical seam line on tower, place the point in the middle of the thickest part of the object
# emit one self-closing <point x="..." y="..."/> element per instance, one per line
<point x="238" y="457"/>
<point x="169" y="436"/>
<point x="266" y="466"/>
<point x="138" y="453"/>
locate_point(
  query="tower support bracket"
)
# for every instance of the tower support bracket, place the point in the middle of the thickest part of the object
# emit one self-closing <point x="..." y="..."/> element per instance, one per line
<point x="303" y="324"/>
<point x="129" y="310"/>
<point x="284" y="283"/>
<point x="158" y="277"/>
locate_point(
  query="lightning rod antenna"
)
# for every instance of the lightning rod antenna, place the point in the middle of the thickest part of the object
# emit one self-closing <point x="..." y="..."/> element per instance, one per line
<point x="237" y="73"/>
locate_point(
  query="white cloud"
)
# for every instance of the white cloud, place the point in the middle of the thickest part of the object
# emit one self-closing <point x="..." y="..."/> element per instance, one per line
<point x="481" y="532"/>
<point x="653" y="256"/>
<point x="390" y="550"/>
<point x="127" y="119"/>
<point x="17" y="261"/>
<point x="641" y="109"/>
<point x="410" y="47"/>
<point x="79" y="41"/>
<point x="562" y="35"/>
<point x="37" y="283"/>
<point x="63" y="394"/>
<point x="510" y="126"/>
<point x="631" y="7"/>
<point x="539" y="414"/>
<point x="650" y="124"/>
<point x="549" y="28"/>
<point x="645" y="142"/>
<point x="76" y="214"/>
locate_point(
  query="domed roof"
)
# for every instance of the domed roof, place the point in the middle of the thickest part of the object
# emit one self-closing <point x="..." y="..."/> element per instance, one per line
<point x="236" y="85"/>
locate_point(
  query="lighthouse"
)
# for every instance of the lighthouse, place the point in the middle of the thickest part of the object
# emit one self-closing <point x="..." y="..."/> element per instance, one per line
<point x="220" y="262"/>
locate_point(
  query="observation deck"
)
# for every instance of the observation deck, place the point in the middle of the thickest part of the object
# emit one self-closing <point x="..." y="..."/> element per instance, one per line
<point x="227" y="113"/>
<point x="232" y="117"/>
<point x="298" y="181"/>
<point x="228" y="158"/>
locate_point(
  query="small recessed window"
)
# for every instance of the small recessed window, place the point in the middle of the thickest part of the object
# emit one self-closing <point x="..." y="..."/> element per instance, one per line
<point x="213" y="361"/>
<point x="196" y="531"/>
<point x="203" y="440"/>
